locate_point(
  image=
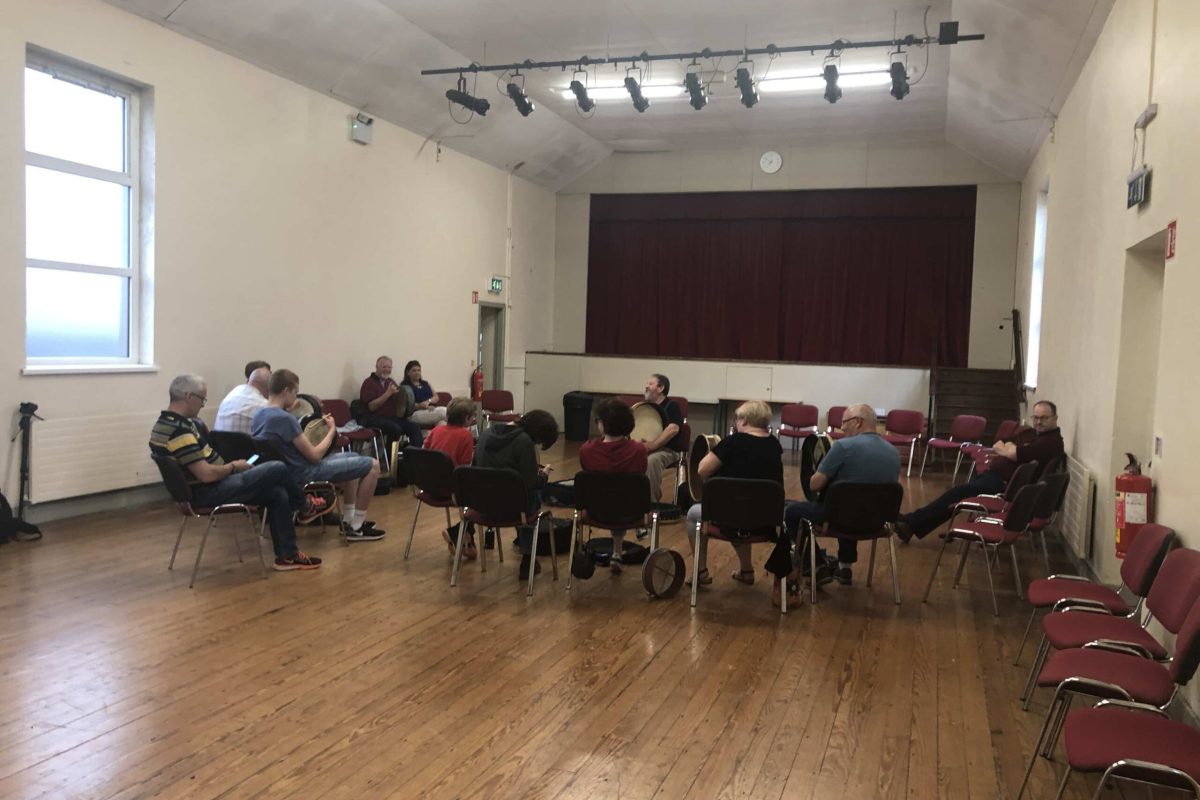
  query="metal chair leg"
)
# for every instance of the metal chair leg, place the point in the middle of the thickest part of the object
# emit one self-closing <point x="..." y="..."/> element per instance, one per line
<point x="237" y="540"/>
<point x="923" y="460"/>
<point x="458" y="548"/>
<point x="1064" y="707"/>
<point x="933" y="572"/>
<point x="1037" y="747"/>
<point x="1024" y="636"/>
<point x="182" y="524"/>
<point x="783" y="594"/>
<point x="895" y="570"/>
<point x="257" y="539"/>
<point x="537" y="524"/>
<point x="413" y="531"/>
<point x="812" y="557"/>
<point x="200" y="552"/>
<point x="553" y="552"/>
<point x="1062" y="787"/>
<point x="962" y="561"/>
<point x="957" y="464"/>
<point x="871" y="564"/>
<point x="912" y="448"/>
<point x="1045" y="549"/>
<point x="1035" y="669"/>
<point x="696" y="562"/>
<point x="499" y="544"/>
<point x="574" y="535"/>
<point x="1016" y="572"/>
<point x="991" y="586"/>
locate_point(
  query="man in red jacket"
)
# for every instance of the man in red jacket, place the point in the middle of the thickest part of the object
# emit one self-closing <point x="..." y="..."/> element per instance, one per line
<point x="614" y="451"/>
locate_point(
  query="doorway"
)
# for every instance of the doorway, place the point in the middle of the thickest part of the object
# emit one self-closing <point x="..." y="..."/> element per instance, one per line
<point x="491" y="344"/>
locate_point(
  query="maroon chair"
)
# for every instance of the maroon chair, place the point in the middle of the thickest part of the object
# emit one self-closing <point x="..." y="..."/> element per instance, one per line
<point x="432" y="473"/>
<point x="442" y="399"/>
<point x="683" y="406"/>
<point x="1044" y="511"/>
<point x="862" y="511"/>
<point x="612" y="501"/>
<point x="1138" y="571"/>
<point x="965" y="429"/>
<point x="742" y="511"/>
<point x="340" y="411"/>
<point x="978" y="453"/>
<point x="631" y="399"/>
<point x="903" y="427"/>
<point x="1176" y="589"/>
<point x="681" y="466"/>
<point x="993" y="504"/>
<point x="798" y="421"/>
<point x="497" y="406"/>
<point x="1109" y="670"/>
<point x="994" y="534"/>
<point x="833" y="421"/>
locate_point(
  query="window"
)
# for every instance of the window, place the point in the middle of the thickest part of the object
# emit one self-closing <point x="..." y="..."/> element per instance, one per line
<point x="1035" y="293"/>
<point x="83" y="238"/>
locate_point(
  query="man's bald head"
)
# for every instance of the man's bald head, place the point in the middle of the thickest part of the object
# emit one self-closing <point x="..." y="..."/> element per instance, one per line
<point x="865" y="413"/>
<point x="259" y="379"/>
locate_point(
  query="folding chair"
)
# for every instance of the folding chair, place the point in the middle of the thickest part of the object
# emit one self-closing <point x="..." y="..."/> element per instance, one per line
<point x="612" y="501"/>
<point x="965" y="429"/>
<point x="903" y="427"/>
<point x="432" y="474"/>
<point x="862" y="511"/>
<point x="797" y="421"/>
<point x="740" y="511"/>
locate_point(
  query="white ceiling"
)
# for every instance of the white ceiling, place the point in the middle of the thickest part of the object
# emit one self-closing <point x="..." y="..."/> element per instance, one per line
<point x="994" y="99"/>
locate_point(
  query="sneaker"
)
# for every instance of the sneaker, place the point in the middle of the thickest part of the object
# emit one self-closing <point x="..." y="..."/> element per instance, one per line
<point x="642" y="533"/>
<point x="903" y="532"/>
<point x="363" y="534"/>
<point x="489" y="539"/>
<point x="523" y="573"/>
<point x="314" y="507"/>
<point x="614" y="564"/>
<point x="843" y="575"/>
<point x="824" y="575"/>
<point x="298" y="561"/>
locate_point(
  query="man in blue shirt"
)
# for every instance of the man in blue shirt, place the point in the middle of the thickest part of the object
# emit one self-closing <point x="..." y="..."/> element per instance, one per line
<point x="356" y="475"/>
<point x="861" y="457"/>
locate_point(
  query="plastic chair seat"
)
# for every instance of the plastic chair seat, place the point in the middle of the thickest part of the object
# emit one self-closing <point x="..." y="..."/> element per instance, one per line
<point x="479" y="518"/>
<point x="990" y="532"/>
<point x="1097" y="738"/>
<point x="610" y="525"/>
<point x="899" y="438"/>
<point x="435" y="501"/>
<point x="943" y="444"/>
<point x="799" y="433"/>
<point x="361" y="435"/>
<point x="1045" y="592"/>
<point x="503" y="417"/>
<point x="1146" y="681"/>
<point x="1076" y="628"/>
<point x="991" y="505"/>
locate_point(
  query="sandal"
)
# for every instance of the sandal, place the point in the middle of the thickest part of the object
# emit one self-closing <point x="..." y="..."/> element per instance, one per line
<point x="704" y="578"/>
<point x="745" y="576"/>
<point x="469" y="551"/>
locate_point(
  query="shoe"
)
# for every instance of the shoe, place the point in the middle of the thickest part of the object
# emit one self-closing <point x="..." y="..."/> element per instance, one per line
<point x="903" y="532"/>
<point x="523" y="573"/>
<point x="642" y="533"/>
<point x="614" y="564"/>
<point x="824" y="575"/>
<point x="704" y="579"/>
<point x="489" y="539"/>
<point x="449" y="542"/>
<point x="298" y="561"/>
<point x="745" y="576"/>
<point x="314" y="507"/>
<point x="844" y="576"/>
<point x="363" y="534"/>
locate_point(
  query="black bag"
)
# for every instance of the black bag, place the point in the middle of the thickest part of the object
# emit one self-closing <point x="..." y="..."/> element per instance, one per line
<point x="561" y="533"/>
<point x="601" y="550"/>
<point x="560" y="494"/>
<point x="8" y="523"/>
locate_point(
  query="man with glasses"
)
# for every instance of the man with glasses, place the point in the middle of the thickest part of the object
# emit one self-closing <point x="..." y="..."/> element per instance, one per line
<point x="1041" y="443"/>
<point x="861" y="457"/>
<point x="180" y="436"/>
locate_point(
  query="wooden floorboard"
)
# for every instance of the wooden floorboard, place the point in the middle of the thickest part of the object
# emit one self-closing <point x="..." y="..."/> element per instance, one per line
<point x="371" y="677"/>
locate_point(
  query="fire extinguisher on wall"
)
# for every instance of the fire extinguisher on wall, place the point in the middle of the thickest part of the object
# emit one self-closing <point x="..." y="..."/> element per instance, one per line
<point x="477" y="384"/>
<point x="1134" y="507"/>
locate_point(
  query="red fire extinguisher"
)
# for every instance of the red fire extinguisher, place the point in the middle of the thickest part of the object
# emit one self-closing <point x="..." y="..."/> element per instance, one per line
<point x="477" y="384"/>
<point x="1134" y="508"/>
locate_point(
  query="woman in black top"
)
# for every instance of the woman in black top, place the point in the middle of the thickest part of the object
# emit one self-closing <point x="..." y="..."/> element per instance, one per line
<point x="752" y="452"/>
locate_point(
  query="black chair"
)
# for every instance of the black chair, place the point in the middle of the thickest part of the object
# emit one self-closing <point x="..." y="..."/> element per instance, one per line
<point x="995" y="503"/>
<point x="495" y="498"/>
<point x="269" y="451"/>
<point x="1045" y="511"/>
<point x="181" y="492"/>
<point x="432" y="474"/>
<point x="740" y="511"/>
<point x="233" y="446"/>
<point x="862" y="511"/>
<point x="612" y="501"/>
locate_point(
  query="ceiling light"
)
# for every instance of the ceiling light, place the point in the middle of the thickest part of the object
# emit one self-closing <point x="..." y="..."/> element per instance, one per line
<point x="580" y="91"/>
<point x="653" y="91"/>
<point x="812" y="81"/>
<point x="745" y="84"/>
<point x="475" y="104"/>
<point x="519" y="98"/>
<point x="833" y="92"/>
<point x="691" y="82"/>
<point x="899" y="75"/>
<point x="635" y="92"/>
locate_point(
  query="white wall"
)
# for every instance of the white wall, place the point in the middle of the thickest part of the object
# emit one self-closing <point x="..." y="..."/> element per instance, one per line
<point x="275" y="237"/>
<point x="826" y="167"/>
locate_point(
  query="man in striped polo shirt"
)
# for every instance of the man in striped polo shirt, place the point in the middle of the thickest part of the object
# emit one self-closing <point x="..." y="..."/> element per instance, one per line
<point x="177" y="435"/>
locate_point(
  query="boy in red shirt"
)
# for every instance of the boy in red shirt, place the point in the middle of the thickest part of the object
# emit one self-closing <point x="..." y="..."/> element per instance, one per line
<point x="456" y="440"/>
<point x="614" y="452"/>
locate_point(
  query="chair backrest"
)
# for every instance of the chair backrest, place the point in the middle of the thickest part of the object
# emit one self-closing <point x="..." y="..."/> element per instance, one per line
<point x="631" y="399"/>
<point x="497" y="400"/>
<point x="497" y="493"/>
<point x="442" y="399"/>
<point x="1175" y="589"/>
<point x="1005" y="429"/>
<point x="1022" y="476"/>
<point x="232" y="445"/>
<point x="1054" y="486"/>
<point x="1020" y="513"/>
<point x="686" y="429"/>
<point x="339" y="410"/>
<point x="268" y="450"/>
<point x="742" y="504"/>
<point x="799" y="415"/>
<point x="431" y="470"/>
<point x="1145" y="557"/>
<point x="1056" y="464"/>
<point x="174" y="478"/>
<point x="683" y="406"/>
<point x="1187" y="648"/>
<point x="833" y="418"/>
<point x="613" y="497"/>
<point x="862" y="508"/>
<point x="905" y="422"/>
<point x="967" y="428"/>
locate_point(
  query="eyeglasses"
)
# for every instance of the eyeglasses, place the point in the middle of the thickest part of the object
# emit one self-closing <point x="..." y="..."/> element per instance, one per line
<point x="203" y="400"/>
<point x="850" y="419"/>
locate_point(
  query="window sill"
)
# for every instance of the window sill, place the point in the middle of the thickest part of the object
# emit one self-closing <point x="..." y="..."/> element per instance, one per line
<point x="88" y="369"/>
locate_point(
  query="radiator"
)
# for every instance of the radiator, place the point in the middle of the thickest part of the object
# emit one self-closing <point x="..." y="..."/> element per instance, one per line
<point x="86" y="455"/>
<point x="1079" y="508"/>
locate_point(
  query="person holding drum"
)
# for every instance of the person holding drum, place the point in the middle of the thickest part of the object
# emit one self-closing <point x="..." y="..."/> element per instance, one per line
<point x="614" y="451"/>
<point x="862" y="456"/>
<point x="425" y="411"/>
<point x="389" y="405"/>
<point x="751" y="452"/>
<point x="356" y="475"/>
<point x="666" y="449"/>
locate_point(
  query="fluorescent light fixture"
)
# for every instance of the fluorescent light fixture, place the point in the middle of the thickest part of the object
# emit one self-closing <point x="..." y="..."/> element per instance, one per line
<point x="814" y="81"/>
<point x="618" y="92"/>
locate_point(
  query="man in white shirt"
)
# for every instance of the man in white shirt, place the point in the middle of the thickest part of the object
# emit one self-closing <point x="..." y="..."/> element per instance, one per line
<point x="238" y="407"/>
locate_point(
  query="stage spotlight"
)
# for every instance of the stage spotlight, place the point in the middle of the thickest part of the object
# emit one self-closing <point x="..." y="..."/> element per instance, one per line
<point x="832" y="92"/>
<point x="585" y="103"/>
<point x="691" y="82"/>
<point x="899" y="80"/>
<point x="745" y="84"/>
<point x="519" y="98"/>
<point x="460" y="96"/>
<point x="635" y="92"/>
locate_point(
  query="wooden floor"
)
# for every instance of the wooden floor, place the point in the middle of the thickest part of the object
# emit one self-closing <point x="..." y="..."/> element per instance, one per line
<point x="371" y="678"/>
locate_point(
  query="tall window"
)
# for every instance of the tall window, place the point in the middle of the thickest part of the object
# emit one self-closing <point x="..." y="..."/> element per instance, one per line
<point x="82" y="200"/>
<point x="1035" y="293"/>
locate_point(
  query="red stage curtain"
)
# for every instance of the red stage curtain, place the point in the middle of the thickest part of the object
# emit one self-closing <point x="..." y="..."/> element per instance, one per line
<point x="856" y="276"/>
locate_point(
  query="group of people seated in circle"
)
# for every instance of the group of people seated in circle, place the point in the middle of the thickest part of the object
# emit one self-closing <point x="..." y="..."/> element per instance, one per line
<point x="261" y="407"/>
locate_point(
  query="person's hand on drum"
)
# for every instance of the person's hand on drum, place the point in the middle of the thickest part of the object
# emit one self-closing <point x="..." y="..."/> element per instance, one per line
<point x="329" y="420"/>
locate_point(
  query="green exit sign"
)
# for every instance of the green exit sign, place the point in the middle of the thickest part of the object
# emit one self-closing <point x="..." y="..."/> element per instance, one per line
<point x="497" y="286"/>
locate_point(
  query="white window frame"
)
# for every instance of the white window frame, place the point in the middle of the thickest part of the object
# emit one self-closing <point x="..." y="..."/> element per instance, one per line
<point x="140" y="349"/>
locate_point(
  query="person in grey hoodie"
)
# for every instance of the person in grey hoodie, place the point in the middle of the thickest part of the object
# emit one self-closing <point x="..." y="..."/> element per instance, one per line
<point x="513" y="447"/>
